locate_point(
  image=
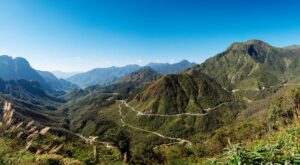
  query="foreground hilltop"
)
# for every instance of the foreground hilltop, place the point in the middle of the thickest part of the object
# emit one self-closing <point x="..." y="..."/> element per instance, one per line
<point x="181" y="93"/>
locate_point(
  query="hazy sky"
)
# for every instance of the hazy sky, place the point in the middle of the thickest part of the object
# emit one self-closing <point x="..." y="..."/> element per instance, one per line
<point x="77" y="35"/>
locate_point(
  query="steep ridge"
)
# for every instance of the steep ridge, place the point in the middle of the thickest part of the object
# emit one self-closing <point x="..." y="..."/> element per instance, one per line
<point x="84" y="102"/>
<point x="166" y="68"/>
<point x="57" y="84"/>
<point x="19" y="68"/>
<point x="102" y="76"/>
<point x="111" y="75"/>
<point x="181" y="93"/>
<point x="75" y="94"/>
<point x="252" y="65"/>
<point x="144" y="75"/>
<point x="129" y="83"/>
<point x="26" y="111"/>
<point x="30" y="91"/>
<point x="185" y="108"/>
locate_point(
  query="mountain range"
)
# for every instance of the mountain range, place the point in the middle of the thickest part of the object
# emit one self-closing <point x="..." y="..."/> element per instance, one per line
<point x="108" y="76"/>
<point x="102" y="76"/>
<point x="166" y="68"/>
<point x="30" y="91"/>
<point x="143" y="75"/>
<point x="19" y="68"/>
<point x="239" y="106"/>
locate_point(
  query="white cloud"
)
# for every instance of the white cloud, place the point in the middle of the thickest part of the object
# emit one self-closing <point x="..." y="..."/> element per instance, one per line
<point x="139" y="61"/>
<point x="77" y="58"/>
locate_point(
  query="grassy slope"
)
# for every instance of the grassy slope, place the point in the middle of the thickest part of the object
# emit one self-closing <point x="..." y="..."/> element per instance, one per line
<point x="252" y="65"/>
<point x="72" y="153"/>
<point x="266" y="131"/>
<point x="192" y="92"/>
<point x="267" y="111"/>
<point x="181" y="93"/>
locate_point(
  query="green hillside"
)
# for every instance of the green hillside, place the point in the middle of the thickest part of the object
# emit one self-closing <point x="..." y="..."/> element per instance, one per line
<point x="194" y="116"/>
<point x="181" y="93"/>
<point x="238" y="107"/>
<point x="252" y="65"/>
<point x="144" y="75"/>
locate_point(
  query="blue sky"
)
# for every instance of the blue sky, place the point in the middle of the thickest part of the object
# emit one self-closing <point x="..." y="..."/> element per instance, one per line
<point x="78" y="35"/>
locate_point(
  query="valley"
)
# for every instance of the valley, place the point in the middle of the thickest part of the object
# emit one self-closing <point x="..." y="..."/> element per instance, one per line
<point x="156" y="114"/>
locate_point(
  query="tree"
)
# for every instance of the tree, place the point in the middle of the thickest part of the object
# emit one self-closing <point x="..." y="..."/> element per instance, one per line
<point x="121" y="140"/>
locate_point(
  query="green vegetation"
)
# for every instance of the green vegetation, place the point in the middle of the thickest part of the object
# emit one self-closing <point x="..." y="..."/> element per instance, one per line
<point x="181" y="93"/>
<point x="240" y="107"/>
<point x="27" y="143"/>
<point x="282" y="147"/>
<point x="252" y="65"/>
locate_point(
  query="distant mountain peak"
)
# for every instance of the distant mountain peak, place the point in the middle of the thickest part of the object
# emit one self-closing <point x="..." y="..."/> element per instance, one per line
<point x="251" y="65"/>
<point x="144" y="75"/>
<point x="184" y="61"/>
<point x="256" y="41"/>
<point x="249" y="44"/>
<point x="5" y="57"/>
<point x="111" y="75"/>
<point x="146" y="69"/>
<point x="166" y="68"/>
<point x="102" y="76"/>
<point x="19" y="68"/>
<point x="257" y="49"/>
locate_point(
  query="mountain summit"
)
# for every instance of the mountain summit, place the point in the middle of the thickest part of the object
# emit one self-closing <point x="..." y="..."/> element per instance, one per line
<point x="181" y="93"/>
<point x="19" y="68"/>
<point x="111" y="75"/>
<point x="252" y="65"/>
<point x="166" y="68"/>
<point x="145" y="74"/>
<point x="257" y="49"/>
<point x="102" y="76"/>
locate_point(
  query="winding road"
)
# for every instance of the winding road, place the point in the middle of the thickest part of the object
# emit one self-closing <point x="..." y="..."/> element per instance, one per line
<point x="179" y="140"/>
<point x="180" y="114"/>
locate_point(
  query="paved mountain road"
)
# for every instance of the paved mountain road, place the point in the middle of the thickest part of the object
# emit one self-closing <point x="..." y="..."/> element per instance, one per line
<point x="179" y="140"/>
<point x="180" y="114"/>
